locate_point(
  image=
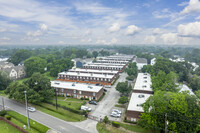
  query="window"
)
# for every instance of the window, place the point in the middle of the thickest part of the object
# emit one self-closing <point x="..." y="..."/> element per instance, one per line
<point x="62" y="90"/>
<point x="74" y="91"/>
<point x="80" y="92"/>
<point x="94" y="94"/>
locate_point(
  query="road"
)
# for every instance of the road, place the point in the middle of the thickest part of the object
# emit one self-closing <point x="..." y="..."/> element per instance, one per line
<point x="108" y="102"/>
<point x="50" y="121"/>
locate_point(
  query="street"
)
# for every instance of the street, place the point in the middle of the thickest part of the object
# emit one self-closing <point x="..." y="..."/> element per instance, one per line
<point x="45" y="119"/>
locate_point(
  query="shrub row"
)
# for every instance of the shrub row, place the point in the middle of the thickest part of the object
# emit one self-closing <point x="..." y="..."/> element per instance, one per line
<point x="115" y="124"/>
<point x="2" y="113"/>
<point x="7" y="117"/>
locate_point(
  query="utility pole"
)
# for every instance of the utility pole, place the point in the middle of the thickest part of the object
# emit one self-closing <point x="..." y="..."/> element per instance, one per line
<point x="166" y="123"/>
<point x="27" y="113"/>
<point x="56" y="98"/>
<point x="3" y="104"/>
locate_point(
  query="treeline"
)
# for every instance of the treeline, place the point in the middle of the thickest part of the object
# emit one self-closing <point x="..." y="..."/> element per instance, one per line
<point x="180" y="109"/>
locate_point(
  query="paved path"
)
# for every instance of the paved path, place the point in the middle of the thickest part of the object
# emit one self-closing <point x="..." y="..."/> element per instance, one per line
<point x="54" y="123"/>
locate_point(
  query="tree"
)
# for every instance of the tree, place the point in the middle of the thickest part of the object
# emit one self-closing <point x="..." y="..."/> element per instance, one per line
<point x="34" y="64"/>
<point x="106" y="120"/>
<point x="164" y="82"/>
<point x="4" y="80"/>
<point x="38" y="89"/>
<point x="123" y="100"/>
<point x="182" y="109"/>
<point x="123" y="87"/>
<point x="95" y="54"/>
<point x="195" y="83"/>
<point x="41" y="85"/>
<point x="132" y="69"/>
<point x="146" y="69"/>
<point x="60" y="65"/>
<point x="19" y="56"/>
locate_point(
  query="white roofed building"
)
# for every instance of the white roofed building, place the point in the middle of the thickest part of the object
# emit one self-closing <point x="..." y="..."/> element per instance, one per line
<point x="77" y="90"/>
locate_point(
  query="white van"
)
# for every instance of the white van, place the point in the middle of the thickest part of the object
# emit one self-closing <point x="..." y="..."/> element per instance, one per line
<point x="85" y="108"/>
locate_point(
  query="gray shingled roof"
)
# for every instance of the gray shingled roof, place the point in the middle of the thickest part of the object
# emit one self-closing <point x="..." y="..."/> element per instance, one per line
<point x="141" y="60"/>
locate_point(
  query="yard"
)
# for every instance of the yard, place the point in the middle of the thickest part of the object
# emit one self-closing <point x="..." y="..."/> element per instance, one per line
<point x="6" y="128"/>
<point x="21" y="120"/>
<point x="69" y="102"/>
<point x="60" y="113"/>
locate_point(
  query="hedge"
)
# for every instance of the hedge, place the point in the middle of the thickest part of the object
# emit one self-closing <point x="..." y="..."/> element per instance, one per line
<point x="115" y="124"/>
<point x="2" y="113"/>
<point x="8" y="117"/>
<point x="67" y="108"/>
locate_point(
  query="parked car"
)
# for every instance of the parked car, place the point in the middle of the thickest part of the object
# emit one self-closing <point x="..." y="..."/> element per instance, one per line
<point x="93" y="102"/>
<point x="85" y="108"/>
<point x="105" y="90"/>
<point x="114" y="114"/>
<point x="117" y="111"/>
<point x="31" y="109"/>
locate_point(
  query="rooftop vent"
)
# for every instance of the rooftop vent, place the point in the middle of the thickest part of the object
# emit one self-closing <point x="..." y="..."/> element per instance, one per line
<point x="141" y="96"/>
<point x="73" y="84"/>
<point x="57" y="83"/>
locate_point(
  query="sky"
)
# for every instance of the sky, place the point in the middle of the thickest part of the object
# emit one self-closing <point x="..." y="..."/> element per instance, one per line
<point x="70" y="22"/>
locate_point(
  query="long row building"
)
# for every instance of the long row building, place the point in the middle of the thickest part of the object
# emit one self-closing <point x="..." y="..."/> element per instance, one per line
<point x="88" y="81"/>
<point x="141" y="92"/>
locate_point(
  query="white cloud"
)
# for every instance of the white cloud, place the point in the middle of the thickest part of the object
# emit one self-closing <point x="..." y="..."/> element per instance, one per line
<point x="185" y="3"/>
<point x="101" y="41"/>
<point x="189" y="30"/>
<point x="197" y="18"/>
<point x="5" y="39"/>
<point x="2" y="29"/>
<point x="169" y="38"/>
<point x="132" y="29"/>
<point x="115" y="27"/>
<point x="150" y="39"/>
<point x="43" y="27"/>
<point x="157" y="31"/>
<point x="194" y="6"/>
<point x="34" y="33"/>
<point x="61" y="42"/>
<point x="113" y="41"/>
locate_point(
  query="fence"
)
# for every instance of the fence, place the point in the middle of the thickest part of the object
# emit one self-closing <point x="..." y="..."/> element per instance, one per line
<point x="15" y="126"/>
<point x="94" y="118"/>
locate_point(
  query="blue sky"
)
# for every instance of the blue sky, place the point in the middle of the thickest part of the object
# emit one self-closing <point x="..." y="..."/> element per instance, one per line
<point x="99" y="22"/>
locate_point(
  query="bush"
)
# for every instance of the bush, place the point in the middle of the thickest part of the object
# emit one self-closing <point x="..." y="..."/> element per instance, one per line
<point x="123" y="100"/>
<point x="106" y="120"/>
<point x="130" y="77"/>
<point x="8" y="117"/>
<point x="115" y="124"/>
<point x="2" y="113"/>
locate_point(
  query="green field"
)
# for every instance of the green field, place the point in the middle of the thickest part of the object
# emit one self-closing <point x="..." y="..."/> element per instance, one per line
<point x="69" y="102"/>
<point x="21" y="120"/>
<point x="6" y="128"/>
<point x="60" y="113"/>
<point x="105" y="128"/>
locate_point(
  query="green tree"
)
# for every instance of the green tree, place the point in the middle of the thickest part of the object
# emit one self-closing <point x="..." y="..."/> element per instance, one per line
<point x="95" y="54"/>
<point x="165" y="82"/>
<point x="132" y="69"/>
<point x="19" y="56"/>
<point x="123" y="87"/>
<point x="182" y="109"/>
<point x="34" y="64"/>
<point x="195" y="83"/>
<point x="40" y="86"/>
<point x="4" y="80"/>
<point x="146" y="68"/>
<point x="123" y="100"/>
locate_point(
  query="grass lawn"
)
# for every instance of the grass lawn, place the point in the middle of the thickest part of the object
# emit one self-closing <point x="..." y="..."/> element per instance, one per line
<point x="60" y="113"/>
<point x="69" y="102"/>
<point x="21" y="120"/>
<point x="105" y="128"/>
<point x="21" y="80"/>
<point x="135" y="128"/>
<point x="6" y="128"/>
<point x="120" y="105"/>
<point x="50" y="77"/>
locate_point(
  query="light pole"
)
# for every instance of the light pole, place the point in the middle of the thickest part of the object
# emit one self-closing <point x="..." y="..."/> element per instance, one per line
<point x="27" y="113"/>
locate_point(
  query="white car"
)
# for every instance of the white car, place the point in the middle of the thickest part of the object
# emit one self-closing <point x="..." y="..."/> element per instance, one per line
<point x="117" y="111"/>
<point x="114" y="114"/>
<point x="31" y="109"/>
<point x="85" y="108"/>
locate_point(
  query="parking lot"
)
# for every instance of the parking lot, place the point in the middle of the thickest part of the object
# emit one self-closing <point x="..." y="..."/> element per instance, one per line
<point x="105" y="107"/>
